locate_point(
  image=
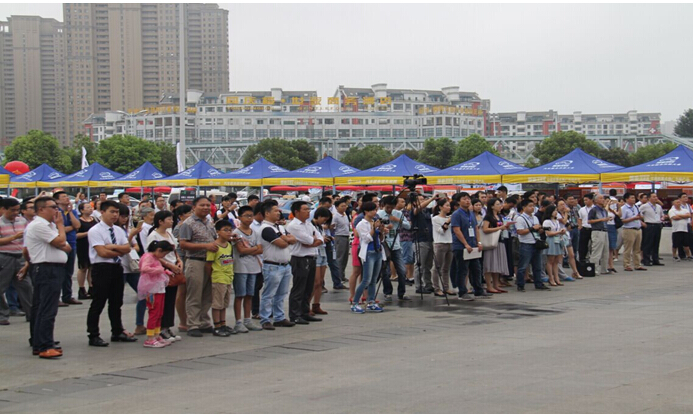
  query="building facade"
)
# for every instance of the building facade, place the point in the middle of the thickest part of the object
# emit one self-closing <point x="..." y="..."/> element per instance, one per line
<point x="32" y="76"/>
<point x="525" y="124"/>
<point x="126" y="55"/>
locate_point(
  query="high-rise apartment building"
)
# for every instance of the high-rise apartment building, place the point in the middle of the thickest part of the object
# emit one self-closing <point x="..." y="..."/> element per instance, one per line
<point x="125" y="55"/>
<point x="32" y="77"/>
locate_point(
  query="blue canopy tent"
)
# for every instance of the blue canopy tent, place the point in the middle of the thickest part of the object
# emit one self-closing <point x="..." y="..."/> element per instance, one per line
<point x="674" y="166"/>
<point x="321" y="173"/>
<point x="190" y="177"/>
<point x="391" y="172"/>
<point x="86" y="177"/>
<point x="30" y="179"/>
<point x="485" y="168"/>
<point x="146" y="171"/>
<point x="575" y="167"/>
<point x="250" y="176"/>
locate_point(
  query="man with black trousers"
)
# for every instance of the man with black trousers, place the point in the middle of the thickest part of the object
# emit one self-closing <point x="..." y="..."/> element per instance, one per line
<point x="585" y="227"/>
<point x="303" y="258"/>
<point x="107" y="243"/>
<point x="651" y="211"/>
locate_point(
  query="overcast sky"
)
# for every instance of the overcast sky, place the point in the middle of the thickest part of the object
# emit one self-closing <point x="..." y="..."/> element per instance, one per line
<point x="589" y="58"/>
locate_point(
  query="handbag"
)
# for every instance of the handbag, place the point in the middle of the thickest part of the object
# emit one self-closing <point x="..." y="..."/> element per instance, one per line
<point x="134" y="262"/>
<point x="539" y="243"/>
<point x="489" y="241"/>
<point x="177" y="279"/>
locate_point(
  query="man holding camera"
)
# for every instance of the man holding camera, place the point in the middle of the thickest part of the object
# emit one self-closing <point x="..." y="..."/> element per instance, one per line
<point x="421" y="219"/>
<point x="393" y="220"/>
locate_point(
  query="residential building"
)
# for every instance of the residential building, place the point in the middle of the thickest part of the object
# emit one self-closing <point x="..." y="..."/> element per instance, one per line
<point x="32" y="77"/>
<point x="126" y="55"/>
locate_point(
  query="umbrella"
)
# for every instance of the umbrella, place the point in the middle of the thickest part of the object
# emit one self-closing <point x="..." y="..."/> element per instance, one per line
<point x="575" y="167"/>
<point x="482" y="169"/>
<point x="391" y="172"/>
<point x="677" y="165"/>
<point x="321" y="173"/>
<point x="30" y="179"/>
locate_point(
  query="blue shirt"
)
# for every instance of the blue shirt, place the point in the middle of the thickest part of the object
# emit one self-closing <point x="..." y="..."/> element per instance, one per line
<point x="628" y="212"/>
<point x="465" y="220"/>
<point x="70" y="236"/>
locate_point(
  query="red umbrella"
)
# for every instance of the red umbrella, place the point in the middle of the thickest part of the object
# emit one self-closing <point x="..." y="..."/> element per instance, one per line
<point x="138" y="190"/>
<point x="350" y="188"/>
<point x="160" y="190"/>
<point x="291" y="188"/>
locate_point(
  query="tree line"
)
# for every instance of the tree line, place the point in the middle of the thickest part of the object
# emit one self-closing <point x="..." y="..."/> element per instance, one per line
<point x="124" y="153"/>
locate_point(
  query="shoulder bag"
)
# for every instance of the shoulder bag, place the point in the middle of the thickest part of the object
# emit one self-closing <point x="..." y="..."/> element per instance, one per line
<point x="539" y="244"/>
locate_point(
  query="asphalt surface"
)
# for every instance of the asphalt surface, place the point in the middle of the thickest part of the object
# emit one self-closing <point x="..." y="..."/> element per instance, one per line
<point x="612" y="344"/>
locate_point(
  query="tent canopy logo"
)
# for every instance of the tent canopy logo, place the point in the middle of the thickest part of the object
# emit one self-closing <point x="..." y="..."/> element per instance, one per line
<point x="27" y="176"/>
<point x="244" y="170"/>
<point x="131" y="175"/>
<point x="80" y="173"/>
<point x="346" y="169"/>
<point x="423" y="168"/>
<point x="187" y="173"/>
<point x="667" y="161"/>
<point x="506" y="165"/>
<point x="106" y="175"/>
<point x="213" y="172"/>
<point x="468" y="166"/>
<point x="311" y="170"/>
<point x="385" y="168"/>
<point x="53" y="175"/>
<point x="601" y="164"/>
<point x="562" y="165"/>
<point x="276" y="169"/>
<point x="157" y="175"/>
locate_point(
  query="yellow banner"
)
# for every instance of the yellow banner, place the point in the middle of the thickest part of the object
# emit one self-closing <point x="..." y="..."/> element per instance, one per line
<point x="550" y="178"/>
<point x="230" y="182"/>
<point x="320" y="181"/>
<point x="464" y="179"/>
<point x="648" y="176"/>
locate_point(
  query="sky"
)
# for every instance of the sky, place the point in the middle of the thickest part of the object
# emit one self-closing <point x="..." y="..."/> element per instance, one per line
<point x="607" y="58"/>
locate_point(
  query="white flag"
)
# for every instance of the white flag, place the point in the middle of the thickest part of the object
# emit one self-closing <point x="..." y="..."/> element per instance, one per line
<point x="85" y="164"/>
<point x="179" y="158"/>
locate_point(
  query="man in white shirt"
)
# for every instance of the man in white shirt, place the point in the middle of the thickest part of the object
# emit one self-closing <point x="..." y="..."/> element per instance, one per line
<point x="46" y="246"/>
<point x="160" y="204"/>
<point x="585" y="228"/>
<point x="276" y="270"/>
<point x="303" y="256"/>
<point x="679" y="230"/>
<point x="107" y="243"/>
<point x="651" y="211"/>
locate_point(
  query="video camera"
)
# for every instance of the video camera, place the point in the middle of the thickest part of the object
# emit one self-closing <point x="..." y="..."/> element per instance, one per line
<point x="412" y="181"/>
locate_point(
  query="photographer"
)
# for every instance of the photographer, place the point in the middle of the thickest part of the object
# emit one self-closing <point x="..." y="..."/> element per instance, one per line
<point x="421" y="220"/>
<point x="393" y="220"/>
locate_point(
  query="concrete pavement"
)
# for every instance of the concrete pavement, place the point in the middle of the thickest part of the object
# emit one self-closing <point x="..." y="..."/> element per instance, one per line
<point x="612" y="344"/>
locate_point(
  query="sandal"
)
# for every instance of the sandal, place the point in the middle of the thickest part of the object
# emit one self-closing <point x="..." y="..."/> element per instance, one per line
<point x="612" y="270"/>
<point x="559" y="284"/>
<point x="493" y="291"/>
<point x="577" y="276"/>
<point x="182" y="328"/>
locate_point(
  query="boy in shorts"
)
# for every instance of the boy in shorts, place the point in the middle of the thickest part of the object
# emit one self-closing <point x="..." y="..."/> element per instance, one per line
<point x="220" y="266"/>
<point x="248" y="265"/>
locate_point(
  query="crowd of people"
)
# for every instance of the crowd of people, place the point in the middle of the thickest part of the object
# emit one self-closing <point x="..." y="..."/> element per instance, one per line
<point x="192" y="258"/>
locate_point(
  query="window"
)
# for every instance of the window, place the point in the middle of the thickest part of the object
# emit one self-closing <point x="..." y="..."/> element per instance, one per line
<point x="398" y="133"/>
<point x="371" y="133"/>
<point x="346" y="121"/>
<point x="412" y="133"/>
<point x="344" y="133"/>
<point x="330" y="133"/>
<point x="234" y="133"/>
<point x="261" y="133"/>
<point x="219" y="133"/>
<point x="385" y="133"/>
<point x="357" y="133"/>
<point x="289" y="133"/>
<point x="439" y="132"/>
<point x="301" y="133"/>
<point x="247" y="133"/>
<point x="205" y="133"/>
<point x="329" y="121"/>
<point x="275" y="133"/>
<point x="247" y="121"/>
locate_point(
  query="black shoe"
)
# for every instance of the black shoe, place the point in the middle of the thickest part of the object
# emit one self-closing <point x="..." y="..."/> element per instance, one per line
<point x="646" y="264"/>
<point x="520" y="288"/>
<point x="657" y="264"/>
<point x="17" y="312"/>
<point x="424" y="291"/>
<point x="97" y="342"/>
<point x="83" y="295"/>
<point x="221" y="331"/>
<point x="301" y="321"/>
<point x="209" y="329"/>
<point x="195" y="333"/>
<point x="542" y="287"/>
<point x="123" y="338"/>
<point x="311" y="318"/>
<point x="340" y="287"/>
<point x="284" y="323"/>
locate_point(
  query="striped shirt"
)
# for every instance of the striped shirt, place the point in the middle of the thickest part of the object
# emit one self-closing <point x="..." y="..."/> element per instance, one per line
<point x="10" y="228"/>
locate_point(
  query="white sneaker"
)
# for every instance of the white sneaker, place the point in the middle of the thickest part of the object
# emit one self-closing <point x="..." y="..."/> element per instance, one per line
<point x="240" y="328"/>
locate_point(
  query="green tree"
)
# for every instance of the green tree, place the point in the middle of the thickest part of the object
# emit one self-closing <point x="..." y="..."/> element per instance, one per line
<point x="438" y="152"/>
<point x="169" y="163"/>
<point x="36" y="148"/>
<point x="651" y="152"/>
<point x="616" y="156"/>
<point x="366" y="157"/>
<point x="306" y="151"/>
<point x="124" y="153"/>
<point x="684" y="126"/>
<point x="531" y="162"/>
<point x="411" y="153"/>
<point x="275" y="150"/>
<point x="76" y="151"/>
<point x="562" y="143"/>
<point x="470" y="147"/>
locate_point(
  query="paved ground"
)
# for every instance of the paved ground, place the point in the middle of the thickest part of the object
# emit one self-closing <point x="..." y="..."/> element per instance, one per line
<point x="613" y="344"/>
